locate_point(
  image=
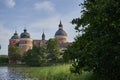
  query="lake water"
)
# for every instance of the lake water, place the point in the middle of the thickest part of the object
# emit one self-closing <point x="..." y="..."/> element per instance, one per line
<point x="9" y="73"/>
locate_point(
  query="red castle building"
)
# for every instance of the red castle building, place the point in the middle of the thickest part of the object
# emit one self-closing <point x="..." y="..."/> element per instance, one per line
<point x="25" y="42"/>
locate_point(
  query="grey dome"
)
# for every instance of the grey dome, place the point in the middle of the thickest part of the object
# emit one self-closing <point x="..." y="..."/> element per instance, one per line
<point x="60" y="32"/>
<point x="25" y="34"/>
<point x="15" y="36"/>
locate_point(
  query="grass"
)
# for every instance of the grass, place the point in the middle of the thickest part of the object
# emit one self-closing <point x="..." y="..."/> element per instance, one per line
<point x="59" y="72"/>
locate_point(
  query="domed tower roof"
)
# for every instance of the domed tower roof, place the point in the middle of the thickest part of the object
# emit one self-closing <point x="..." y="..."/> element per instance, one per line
<point x="43" y="36"/>
<point x="15" y="36"/>
<point x="60" y="31"/>
<point x="25" y="34"/>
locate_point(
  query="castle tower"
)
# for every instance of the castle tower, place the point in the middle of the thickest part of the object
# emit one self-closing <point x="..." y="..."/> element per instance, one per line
<point x="25" y="41"/>
<point x="43" y="36"/>
<point x="14" y="41"/>
<point x="60" y="34"/>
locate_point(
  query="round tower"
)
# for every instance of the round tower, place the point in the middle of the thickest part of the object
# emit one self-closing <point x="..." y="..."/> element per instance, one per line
<point x="14" y="41"/>
<point x="25" y="41"/>
<point x="60" y="34"/>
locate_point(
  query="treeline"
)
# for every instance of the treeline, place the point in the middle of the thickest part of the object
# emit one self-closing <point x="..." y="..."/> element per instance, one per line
<point x="37" y="56"/>
<point x="3" y="59"/>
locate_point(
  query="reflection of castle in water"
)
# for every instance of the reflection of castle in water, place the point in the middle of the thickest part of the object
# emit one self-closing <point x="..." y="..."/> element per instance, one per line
<point x="25" y="42"/>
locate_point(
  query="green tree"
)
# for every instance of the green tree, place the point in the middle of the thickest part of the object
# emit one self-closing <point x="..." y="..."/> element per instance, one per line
<point x="71" y="53"/>
<point x="0" y="46"/>
<point x="3" y="59"/>
<point x="35" y="57"/>
<point x="98" y="48"/>
<point x="14" y="54"/>
<point x="52" y="50"/>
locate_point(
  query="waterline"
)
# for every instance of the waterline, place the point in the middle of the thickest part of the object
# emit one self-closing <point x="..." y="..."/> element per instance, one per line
<point x="7" y="73"/>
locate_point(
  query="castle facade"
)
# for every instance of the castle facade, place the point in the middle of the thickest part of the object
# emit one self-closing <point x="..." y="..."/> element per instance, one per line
<point x="25" y="42"/>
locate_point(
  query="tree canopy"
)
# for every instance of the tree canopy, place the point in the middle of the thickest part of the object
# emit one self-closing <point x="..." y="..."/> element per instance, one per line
<point x="14" y="54"/>
<point x="52" y="50"/>
<point x="3" y="59"/>
<point x="41" y="56"/>
<point x="35" y="56"/>
<point x="98" y="48"/>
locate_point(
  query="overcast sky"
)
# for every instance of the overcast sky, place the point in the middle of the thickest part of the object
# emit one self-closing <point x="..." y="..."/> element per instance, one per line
<point x="37" y="16"/>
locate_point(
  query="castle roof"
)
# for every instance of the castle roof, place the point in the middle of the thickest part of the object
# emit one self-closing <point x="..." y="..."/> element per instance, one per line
<point x="60" y="31"/>
<point x="15" y="36"/>
<point x="25" y="34"/>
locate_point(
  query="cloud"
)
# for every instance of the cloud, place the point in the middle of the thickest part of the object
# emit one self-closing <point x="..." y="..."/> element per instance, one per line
<point x="47" y="23"/>
<point x="4" y="39"/>
<point x="50" y="25"/>
<point x="10" y="3"/>
<point x="44" y="6"/>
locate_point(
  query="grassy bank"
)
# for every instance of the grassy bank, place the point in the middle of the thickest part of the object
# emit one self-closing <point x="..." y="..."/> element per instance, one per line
<point x="60" y="72"/>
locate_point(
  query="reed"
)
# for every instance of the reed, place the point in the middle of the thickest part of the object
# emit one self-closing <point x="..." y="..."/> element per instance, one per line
<point x="59" y="72"/>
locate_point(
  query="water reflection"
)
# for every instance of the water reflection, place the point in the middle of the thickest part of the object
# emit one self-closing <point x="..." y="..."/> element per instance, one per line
<point x="7" y="73"/>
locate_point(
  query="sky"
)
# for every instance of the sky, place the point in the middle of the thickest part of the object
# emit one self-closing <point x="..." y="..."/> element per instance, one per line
<point x="37" y="16"/>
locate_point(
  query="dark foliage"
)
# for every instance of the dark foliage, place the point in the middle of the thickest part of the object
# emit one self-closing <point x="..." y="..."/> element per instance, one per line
<point x="14" y="54"/>
<point x="3" y="59"/>
<point x="98" y="48"/>
<point x="35" y="57"/>
<point x="52" y="51"/>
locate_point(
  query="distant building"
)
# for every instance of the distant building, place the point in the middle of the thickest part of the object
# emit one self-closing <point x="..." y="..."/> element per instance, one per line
<point x="25" y="42"/>
<point x="61" y="36"/>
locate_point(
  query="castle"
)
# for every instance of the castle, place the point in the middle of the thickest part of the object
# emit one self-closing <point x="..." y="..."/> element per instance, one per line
<point x="25" y="42"/>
